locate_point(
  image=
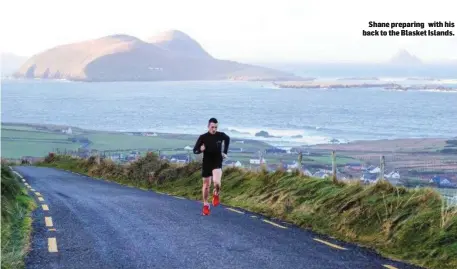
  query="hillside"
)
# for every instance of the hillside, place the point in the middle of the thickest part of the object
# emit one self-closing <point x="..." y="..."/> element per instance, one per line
<point x="413" y="225"/>
<point x="171" y="55"/>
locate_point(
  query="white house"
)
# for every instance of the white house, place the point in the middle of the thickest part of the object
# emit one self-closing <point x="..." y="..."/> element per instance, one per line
<point x="375" y="170"/>
<point x="67" y="131"/>
<point x="233" y="163"/>
<point x="320" y="174"/>
<point x="292" y="165"/>
<point x="257" y="161"/>
<point x="177" y="160"/>
<point x="369" y="178"/>
<point x="393" y="175"/>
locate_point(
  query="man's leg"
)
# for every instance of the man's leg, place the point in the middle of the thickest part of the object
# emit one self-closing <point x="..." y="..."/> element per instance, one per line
<point x="217" y="175"/>
<point x="205" y="189"/>
<point x="206" y="175"/>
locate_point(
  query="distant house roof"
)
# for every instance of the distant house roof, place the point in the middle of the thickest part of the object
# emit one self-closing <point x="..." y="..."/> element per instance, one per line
<point x="320" y="174"/>
<point x="369" y="176"/>
<point x="180" y="156"/>
<point x="436" y="179"/>
<point x="275" y="150"/>
<point x="375" y="170"/>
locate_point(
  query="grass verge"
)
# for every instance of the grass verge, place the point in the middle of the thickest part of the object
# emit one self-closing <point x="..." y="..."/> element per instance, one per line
<point x="414" y="226"/>
<point x="16" y="221"/>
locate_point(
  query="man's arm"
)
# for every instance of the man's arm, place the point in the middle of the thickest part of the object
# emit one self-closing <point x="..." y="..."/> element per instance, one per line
<point x="198" y="145"/>
<point x="226" y="142"/>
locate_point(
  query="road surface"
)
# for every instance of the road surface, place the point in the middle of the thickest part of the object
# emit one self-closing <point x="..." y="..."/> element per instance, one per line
<point x="87" y="223"/>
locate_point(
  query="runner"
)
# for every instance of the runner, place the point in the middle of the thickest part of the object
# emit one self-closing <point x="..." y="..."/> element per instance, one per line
<point x="210" y="144"/>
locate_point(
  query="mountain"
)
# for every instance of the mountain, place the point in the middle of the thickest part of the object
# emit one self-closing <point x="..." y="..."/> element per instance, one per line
<point x="179" y="43"/>
<point x="171" y="55"/>
<point x="403" y="57"/>
<point x="10" y="63"/>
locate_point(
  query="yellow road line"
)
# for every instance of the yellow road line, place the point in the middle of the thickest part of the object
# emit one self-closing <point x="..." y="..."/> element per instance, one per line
<point x="234" y="210"/>
<point x="38" y="194"/>
<point x="45" y="207"/>
<point x="389" y="266"/>
<point x="40" y="199"/>
<point x="48" y="221"/>
<point x="52" y="244"/>
<point x="274" y="224"/>
<point x="329" y="244"/>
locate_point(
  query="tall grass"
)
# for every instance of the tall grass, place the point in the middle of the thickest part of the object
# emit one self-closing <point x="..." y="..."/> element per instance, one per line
<point x="16" y="221"/>
<point x="408" y="225"/>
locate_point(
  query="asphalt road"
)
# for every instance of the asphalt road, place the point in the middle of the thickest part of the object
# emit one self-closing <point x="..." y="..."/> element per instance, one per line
<point x="100" y="224"/>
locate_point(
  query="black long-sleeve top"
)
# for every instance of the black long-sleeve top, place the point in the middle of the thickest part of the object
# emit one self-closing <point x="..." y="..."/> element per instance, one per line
<point x="213" y="143"/>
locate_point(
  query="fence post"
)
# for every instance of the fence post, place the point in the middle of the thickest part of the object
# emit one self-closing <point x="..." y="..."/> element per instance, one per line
<point x="151" y="176"/>
<point x="260" y="161"/>
<point x="334" y="167"/>
<point x="300" y="158"/>
<point x="382" y="167"/>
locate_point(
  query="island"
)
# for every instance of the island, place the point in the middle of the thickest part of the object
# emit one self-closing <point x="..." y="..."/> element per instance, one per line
<point x="168" y="56"/>
<point x="386" y="86"/>
<point x="330" y="85"/>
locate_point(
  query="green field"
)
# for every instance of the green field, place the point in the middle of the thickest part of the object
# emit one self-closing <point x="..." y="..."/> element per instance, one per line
<point x="26" y="140"/>
<point x="32" y="135"/>
<point x="340" y="160"/>
<point x="102" y="141"/>
<point x="19" y="141"/>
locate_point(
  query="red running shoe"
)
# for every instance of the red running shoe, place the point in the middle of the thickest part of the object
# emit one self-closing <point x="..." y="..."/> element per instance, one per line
<point x="206" y="210"/>
<point x="215" y="199"/>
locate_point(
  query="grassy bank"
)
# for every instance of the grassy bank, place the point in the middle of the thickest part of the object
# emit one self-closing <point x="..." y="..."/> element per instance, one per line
<point x="16" y="221"/>
<point x="408" y="225"/>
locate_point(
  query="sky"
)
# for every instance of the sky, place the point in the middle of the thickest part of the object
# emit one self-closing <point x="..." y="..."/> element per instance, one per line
<point x="241" y="30"/>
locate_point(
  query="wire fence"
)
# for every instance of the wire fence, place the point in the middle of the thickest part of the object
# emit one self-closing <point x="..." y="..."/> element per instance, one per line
<point x="409" y="169"/>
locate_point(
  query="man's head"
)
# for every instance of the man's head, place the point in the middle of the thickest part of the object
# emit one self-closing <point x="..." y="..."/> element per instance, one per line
<point x="212" y="125"/>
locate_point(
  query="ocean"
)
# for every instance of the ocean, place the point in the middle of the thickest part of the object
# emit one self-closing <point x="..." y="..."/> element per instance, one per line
<point x="292" y="116"/>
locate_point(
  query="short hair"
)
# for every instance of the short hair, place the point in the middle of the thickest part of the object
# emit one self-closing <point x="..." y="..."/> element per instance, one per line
<point x="212" y="120"/>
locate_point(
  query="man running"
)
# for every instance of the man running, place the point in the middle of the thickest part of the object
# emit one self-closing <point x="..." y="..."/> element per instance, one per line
<point x="210" y="144"/>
